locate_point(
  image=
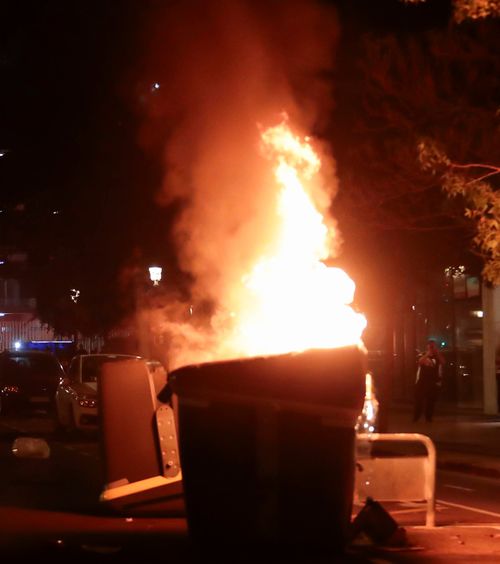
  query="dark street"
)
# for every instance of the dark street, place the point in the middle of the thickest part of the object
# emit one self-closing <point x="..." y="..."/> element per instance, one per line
<point x="56" y="500"/>
<point x="69" y="480"/>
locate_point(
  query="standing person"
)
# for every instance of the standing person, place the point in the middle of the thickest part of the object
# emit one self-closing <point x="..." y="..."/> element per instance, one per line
<point x="429" y="379"/>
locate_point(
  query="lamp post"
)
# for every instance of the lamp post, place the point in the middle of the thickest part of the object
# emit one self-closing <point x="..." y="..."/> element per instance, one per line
<point x="155" y="274"/>
<point x="144" y="304"/>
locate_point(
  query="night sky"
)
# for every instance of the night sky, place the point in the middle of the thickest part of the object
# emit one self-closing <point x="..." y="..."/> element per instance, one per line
<point x="62" y="64"/>
<point x="72" y="96"/>
<point x="69" y="125"/>
<point x="70" y="84"/>
<point x="76" y="190"/>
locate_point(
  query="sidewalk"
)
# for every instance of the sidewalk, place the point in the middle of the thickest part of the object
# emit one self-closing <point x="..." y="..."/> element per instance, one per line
<point x="465" y="441"/>
<point x="440" y="545"/>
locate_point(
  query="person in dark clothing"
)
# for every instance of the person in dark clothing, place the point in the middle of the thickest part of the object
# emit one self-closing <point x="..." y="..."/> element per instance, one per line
<point x="429" y="379"/>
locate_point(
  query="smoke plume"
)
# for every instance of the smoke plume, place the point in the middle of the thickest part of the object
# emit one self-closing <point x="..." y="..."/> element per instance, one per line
<point x="223" y="69"/>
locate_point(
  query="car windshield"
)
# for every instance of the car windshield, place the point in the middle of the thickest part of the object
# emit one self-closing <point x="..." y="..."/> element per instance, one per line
<point x="92" y="365"/>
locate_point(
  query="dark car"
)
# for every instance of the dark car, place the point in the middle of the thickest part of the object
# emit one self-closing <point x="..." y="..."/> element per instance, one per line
<point x="28" y="379"/>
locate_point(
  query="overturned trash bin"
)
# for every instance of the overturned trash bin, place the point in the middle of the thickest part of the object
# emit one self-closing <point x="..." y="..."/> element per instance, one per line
<point x="267" y="448"/>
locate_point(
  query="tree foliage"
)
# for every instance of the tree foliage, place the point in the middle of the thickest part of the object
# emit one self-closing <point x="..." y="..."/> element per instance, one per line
<point x="470" y="9"/>
<point x="472" y="183"/>
<point x="438" y="85"/>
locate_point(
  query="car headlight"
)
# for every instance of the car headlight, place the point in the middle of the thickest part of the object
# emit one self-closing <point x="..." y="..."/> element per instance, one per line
<point x="85" y="401"/>
<point x="10" y="389"/>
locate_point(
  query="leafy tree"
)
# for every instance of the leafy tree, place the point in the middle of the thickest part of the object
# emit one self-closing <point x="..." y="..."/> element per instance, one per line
<point x="437" y="85"/>
<point x="481" y="201"/>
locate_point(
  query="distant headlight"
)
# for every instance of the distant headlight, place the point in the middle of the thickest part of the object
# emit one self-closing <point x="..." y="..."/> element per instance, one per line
<point x="87" y="402"/>
<point x="10" y="389"/>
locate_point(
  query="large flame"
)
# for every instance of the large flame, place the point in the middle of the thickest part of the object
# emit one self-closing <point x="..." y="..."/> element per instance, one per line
<point x="292" y="301"/>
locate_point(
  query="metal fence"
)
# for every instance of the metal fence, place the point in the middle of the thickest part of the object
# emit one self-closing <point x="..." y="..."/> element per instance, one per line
<point x="19" y="330"/>
<point x="13" y="331"/>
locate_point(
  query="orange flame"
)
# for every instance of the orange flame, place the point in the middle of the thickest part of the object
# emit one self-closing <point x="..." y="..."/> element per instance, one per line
<point x="291" y="300"/>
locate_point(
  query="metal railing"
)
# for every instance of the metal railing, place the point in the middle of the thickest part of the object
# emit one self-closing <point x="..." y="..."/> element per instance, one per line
<point x="29" y="330"/>
<point x="397" y="478"/>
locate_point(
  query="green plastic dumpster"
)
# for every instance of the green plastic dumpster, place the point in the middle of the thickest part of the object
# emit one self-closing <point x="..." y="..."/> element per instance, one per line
<point x="267" y="448"/>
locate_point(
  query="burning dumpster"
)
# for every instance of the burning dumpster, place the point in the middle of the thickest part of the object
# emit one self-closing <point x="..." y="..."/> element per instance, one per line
<point x="267" y="440"/>
<point x="267" y="447"/>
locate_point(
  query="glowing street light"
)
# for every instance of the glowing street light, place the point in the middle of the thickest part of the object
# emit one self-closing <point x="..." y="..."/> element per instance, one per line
<point x="155" y="274"/>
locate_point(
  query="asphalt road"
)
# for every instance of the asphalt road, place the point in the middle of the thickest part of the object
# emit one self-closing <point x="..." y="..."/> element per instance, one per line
<point x="461" y="499"/>
<point x="70" y="479"/>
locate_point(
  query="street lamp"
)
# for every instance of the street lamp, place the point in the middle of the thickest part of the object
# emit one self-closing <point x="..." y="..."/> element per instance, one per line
<point x="155" y="274"/>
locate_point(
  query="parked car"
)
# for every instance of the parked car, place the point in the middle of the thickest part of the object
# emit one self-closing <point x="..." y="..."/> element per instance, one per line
<point x="76" y="395"/>
<point x="28" y="379"/>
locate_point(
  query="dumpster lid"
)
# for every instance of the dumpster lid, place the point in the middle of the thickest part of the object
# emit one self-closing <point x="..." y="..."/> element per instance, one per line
<point x="320" y="376"/>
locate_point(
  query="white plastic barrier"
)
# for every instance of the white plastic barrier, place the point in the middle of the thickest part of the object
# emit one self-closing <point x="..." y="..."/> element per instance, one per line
<point x="397" y="478"/>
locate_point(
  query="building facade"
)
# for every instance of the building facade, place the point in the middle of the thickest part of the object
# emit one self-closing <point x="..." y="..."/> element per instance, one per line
<point x="456" y="310"/>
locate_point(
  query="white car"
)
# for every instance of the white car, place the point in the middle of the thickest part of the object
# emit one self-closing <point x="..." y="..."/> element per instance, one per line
<point x="76" y="395"/>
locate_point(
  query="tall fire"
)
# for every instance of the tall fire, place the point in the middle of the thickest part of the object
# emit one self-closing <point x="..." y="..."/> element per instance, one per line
<point x="286" y="298"/>
<point x="291" y="300"/>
